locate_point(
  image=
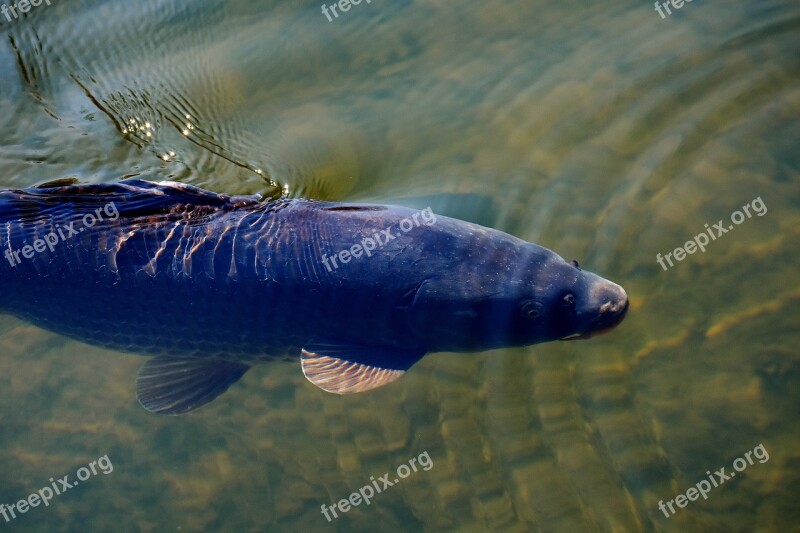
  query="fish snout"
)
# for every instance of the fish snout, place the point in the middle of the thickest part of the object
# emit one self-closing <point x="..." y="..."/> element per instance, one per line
<point x="613" y="301"/>
<point x="606" y="307"/>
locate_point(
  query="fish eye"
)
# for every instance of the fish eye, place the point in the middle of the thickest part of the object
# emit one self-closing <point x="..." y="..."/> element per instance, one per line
<point x="568" y="301"/>
<point x="531" y="309"/>
<point x="574" y="263"/>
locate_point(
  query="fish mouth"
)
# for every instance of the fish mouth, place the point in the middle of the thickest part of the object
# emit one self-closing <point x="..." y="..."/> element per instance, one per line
<point x="605" y="324"/>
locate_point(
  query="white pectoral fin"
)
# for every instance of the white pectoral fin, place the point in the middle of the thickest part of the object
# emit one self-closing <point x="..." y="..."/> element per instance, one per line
<point x="177" y="385"/>
<point x="342" y="369"/>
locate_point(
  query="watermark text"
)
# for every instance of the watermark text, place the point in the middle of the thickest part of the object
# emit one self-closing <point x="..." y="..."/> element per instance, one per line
<point x="342" y="5"/>
<point x="366" y="493"/>
<point x="677" y="4"/>
<point x="23" y="6"/>
<point x="701" y="240"/>
<point x="57" y="235"/>
<point x="379" y="239"/>
<point x="702" y="488"/>
<point x="57" y="487"/>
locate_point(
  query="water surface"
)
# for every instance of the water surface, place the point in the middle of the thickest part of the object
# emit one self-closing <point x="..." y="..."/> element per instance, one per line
<point x="601" y="131"/>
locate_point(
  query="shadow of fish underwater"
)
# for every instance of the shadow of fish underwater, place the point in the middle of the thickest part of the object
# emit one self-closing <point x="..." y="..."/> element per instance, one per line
<point x="210" y="284"/>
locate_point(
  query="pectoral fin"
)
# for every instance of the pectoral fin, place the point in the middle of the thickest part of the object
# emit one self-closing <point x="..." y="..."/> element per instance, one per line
<point x="177" y="385"/>
<point x="342" y="369"/>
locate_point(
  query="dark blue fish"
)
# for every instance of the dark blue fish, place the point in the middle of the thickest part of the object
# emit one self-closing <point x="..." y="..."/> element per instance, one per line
<point x="211" y="284"/>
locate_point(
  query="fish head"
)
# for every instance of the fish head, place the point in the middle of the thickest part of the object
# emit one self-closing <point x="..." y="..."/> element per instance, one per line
<point x="599" y="306"/>
<point x="516" y="295"/>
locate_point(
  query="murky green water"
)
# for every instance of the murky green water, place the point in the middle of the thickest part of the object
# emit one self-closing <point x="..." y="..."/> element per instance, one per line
<point x="599" y="130"/>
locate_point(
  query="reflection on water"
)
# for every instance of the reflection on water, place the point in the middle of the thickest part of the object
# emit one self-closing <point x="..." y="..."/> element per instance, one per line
<point x="604" y="132"/>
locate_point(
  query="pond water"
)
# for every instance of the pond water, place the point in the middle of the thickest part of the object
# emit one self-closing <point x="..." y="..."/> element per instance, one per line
<point x="606" y="132"/>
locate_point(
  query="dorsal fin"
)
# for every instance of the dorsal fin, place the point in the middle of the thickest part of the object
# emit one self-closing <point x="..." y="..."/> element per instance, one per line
<point x="132" y="198"/>
<point x="59" y="182"/>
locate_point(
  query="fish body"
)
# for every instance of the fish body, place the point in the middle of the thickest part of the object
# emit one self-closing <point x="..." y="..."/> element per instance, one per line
<point x="210" y="284"/>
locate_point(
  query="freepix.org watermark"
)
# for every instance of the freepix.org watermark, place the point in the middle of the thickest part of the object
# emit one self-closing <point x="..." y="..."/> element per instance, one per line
<point x="58" y="234"/>
<point x="56" y="488"/>
<point x="343" y="6"/>
<point x="701" y="240"/>
<point x="366" y="493"/>
<point x="379" y="239"/>
<point x="702" y="488"/>
<point x="677" y="4"/>
<point x="23" y="6"/>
